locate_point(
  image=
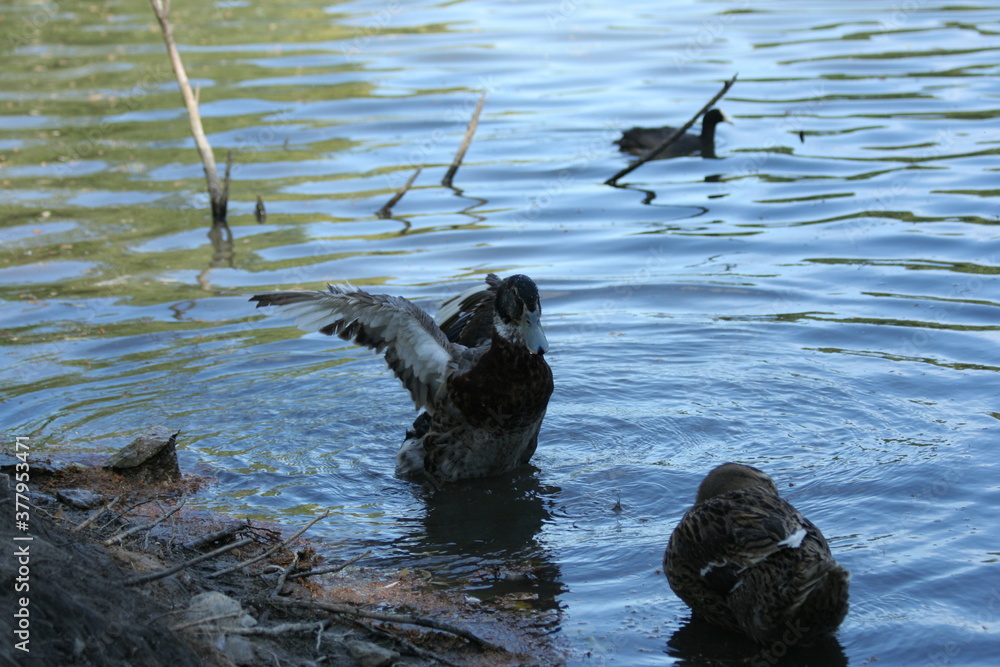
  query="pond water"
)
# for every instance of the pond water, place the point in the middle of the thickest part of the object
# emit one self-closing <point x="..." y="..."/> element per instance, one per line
<point x="821" y="301"/>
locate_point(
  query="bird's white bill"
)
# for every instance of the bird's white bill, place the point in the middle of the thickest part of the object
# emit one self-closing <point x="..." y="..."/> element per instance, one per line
<point x="534" y="337"/>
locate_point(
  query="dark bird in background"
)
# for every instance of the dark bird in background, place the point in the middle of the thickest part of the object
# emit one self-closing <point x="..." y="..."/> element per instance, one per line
<point x="480" y="379"/>
<point x="641" y="140"/>
<point x="744" y="559"/>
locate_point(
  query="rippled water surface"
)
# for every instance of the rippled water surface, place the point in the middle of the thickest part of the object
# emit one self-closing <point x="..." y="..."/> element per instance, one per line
<point x="821" y="301"/>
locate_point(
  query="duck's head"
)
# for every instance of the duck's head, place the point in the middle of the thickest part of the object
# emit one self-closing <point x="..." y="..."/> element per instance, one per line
<point x="733" y="477"/>
<point x="715" y="116"/>
<point x="518" y="313"/>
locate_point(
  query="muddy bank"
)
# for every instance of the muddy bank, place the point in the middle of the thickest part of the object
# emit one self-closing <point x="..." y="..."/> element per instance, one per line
<point x="120" y="571"/>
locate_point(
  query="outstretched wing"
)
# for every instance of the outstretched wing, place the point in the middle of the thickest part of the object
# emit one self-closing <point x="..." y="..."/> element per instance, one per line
<point x="467" y="317"/>
<point x="416" y="349"/>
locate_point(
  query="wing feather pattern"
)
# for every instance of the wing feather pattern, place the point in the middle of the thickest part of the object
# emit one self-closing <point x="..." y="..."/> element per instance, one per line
<point x="415" y="348"/>
<point x="750" y="561"/>
<point x="747" y="533"/>
<point x="467" y="317"/>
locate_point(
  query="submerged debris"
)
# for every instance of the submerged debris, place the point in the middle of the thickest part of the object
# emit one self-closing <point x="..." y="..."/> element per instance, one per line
<point x="146" y="580"/>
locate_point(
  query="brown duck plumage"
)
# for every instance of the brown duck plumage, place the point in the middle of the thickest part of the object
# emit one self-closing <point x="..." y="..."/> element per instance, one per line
<point x="745" y="559"/>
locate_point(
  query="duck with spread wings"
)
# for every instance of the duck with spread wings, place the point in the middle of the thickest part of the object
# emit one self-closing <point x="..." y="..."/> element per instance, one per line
<point x="479" y="378"/>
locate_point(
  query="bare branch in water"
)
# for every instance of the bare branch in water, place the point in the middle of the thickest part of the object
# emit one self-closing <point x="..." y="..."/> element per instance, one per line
<point x="386" y="211"/>
<point x="259" y="211"/>
<point x="466" y="140"/>
<point x="218" y="193"/>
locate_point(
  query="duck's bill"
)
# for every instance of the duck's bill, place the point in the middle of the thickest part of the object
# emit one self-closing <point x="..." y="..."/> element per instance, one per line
<point x="534" y="337"/>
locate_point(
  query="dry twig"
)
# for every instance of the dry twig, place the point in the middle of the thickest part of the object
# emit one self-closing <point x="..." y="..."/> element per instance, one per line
<point x="331" y="569"/>
<point x="270" y="551"/>
<point x="218" y="194"/>
<point x="146" y="526"/>
<point x="259" y="212"/>
<point x="464" y="146"/>
<point x="386" y="211"/>
<point x="206" y="620"/>
<point x="280" y="629"/>
<point x="225" y="185"/>
<point x="348" y="610"/>
<point x="90" y="519"/>
<point x="160" y="574"/>
<point x="406" y="643"/>
<point x="653" y="154"/>
<point x="284" y="574"/>
<point x="223" y="534"/>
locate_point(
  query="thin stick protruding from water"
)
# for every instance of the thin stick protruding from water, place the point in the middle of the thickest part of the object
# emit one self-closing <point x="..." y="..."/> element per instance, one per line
<point x="216" y="191"/>
<point x="386" y="211"/>
<point x="678" y="133"/>
<point x="466" y="140"/>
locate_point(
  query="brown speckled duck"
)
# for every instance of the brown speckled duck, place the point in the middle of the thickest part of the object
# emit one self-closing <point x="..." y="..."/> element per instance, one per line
<point x="745" y="559"/>
<point x="479" y="378"/>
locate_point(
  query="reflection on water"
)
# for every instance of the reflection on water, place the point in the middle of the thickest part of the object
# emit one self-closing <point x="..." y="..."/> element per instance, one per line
<point x="223" y="254"/>
<point x="490" y="531"/>
<point x="699" y="643"/>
